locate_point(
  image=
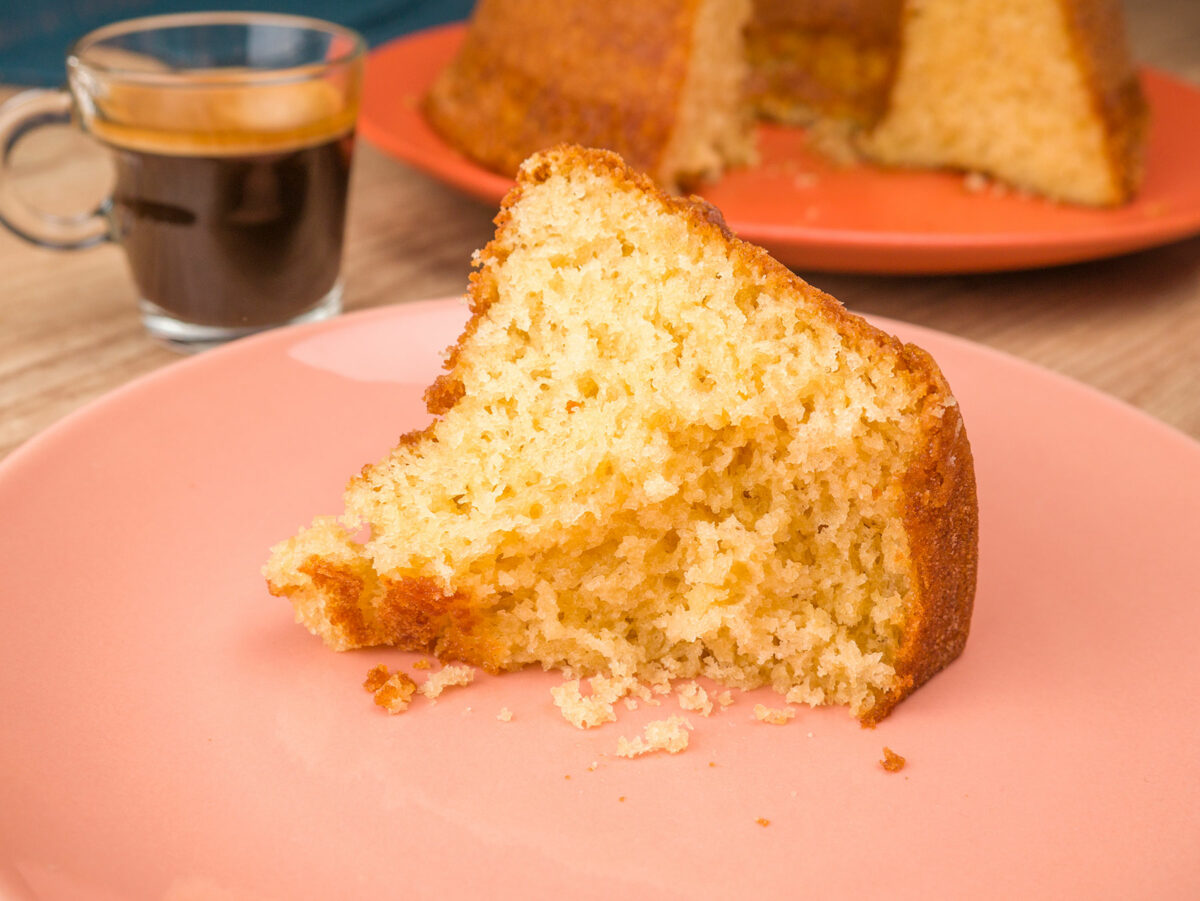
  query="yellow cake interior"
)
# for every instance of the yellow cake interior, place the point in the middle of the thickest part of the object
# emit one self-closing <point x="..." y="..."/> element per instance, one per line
<point x="714" y="127"/>
<point x="998" y="86"/>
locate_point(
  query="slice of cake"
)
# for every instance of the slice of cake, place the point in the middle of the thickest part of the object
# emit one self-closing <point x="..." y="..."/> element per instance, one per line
<point x="1039" y="93"/>
<point x="658" y="453"/>
<point x="659" y="82"/>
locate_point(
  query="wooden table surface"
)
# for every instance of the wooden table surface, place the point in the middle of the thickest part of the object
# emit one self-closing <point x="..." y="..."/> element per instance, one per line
<point x="1129" y="326"/>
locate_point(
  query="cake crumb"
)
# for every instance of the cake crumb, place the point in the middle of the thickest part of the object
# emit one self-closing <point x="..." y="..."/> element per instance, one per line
<point x="376" y="676"/>
<point x="446" y="677"/>
<point x="638" y="691"/>
<point x="692" y="696"/>
<point x="611" y="689"/>
<point x="979" y="183"/>
<point x="622" y="798"/>
<point x="581" y="712"/>
<point x="395" y="693"/>
<point x="834" y="140"/>
<point x="771" y="715"/>
<point x="892" y="762"/>
<point x="660" y="684"/>
<point x="505" y="715"/>
<point x="421" y="664"/>
<point x="976" y="182"/>
<point x="587" y="711"/>
<point x="670" y="735"/>
<point x="799" y="694"/>
<point x="763" y="821"/>
<point x="725" y="699"/>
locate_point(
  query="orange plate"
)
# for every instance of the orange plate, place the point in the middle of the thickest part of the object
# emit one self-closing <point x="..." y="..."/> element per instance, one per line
<point x="816" y="216"/>
<point x="169" y="732"/>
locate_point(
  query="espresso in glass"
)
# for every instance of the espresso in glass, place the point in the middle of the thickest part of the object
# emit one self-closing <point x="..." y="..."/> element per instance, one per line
<point x="231" y="135"/>
<point x="239" y="222"/>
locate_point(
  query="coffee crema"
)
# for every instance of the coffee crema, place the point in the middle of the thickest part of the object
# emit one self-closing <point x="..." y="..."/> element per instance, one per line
<point x="230" y="202"/>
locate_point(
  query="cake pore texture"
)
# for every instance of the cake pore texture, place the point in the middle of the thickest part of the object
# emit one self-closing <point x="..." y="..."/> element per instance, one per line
<point x="658" y="454"/>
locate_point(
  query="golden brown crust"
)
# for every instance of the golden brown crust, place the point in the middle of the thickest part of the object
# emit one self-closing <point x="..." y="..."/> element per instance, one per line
<point x="376" y="677"/>
<point x="416" y="436"/>
<point x="342" y="590"/>
<point x="393" y="691"/>
<point x="892" y="762"/>
<point x="444" y="393"/>
<point x="1097" y="29"/>
<point x="517" y="84"/>
<point x="411" y="613"/>
<point x="415" y="615"/>
<point x="414" y="612"/>
<point x="941" y="518"/>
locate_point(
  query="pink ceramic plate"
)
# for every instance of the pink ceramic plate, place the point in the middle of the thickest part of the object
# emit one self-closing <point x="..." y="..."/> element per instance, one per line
<point x="170" y="733"/>
<point x="814" y="215"/>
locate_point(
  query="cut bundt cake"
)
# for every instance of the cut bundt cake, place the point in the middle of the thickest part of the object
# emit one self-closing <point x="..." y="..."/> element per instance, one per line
<point x="1041" y="94"/>
<point x="658" y="453"/>
<point x="659" y="82"/>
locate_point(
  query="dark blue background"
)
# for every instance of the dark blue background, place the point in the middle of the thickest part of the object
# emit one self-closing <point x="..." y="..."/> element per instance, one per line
<point x="35" y="34"/>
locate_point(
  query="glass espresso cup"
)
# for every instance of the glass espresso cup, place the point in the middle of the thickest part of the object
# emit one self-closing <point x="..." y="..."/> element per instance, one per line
<point x="231" y="136"/>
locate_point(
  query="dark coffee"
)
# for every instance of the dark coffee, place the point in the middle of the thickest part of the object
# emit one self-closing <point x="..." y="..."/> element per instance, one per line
<point x="239" y="240"/>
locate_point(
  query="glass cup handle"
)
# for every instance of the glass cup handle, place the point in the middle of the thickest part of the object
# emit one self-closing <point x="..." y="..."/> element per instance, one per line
<point x="22" y="114"/>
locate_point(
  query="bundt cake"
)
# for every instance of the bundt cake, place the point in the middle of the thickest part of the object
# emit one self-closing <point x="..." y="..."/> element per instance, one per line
<point x="657" y="453"/>
<point x="1041" y="94"/>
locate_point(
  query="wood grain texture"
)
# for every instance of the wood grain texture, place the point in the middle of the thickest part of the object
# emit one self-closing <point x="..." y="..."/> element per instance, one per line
<point x="1130" y="326"/>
